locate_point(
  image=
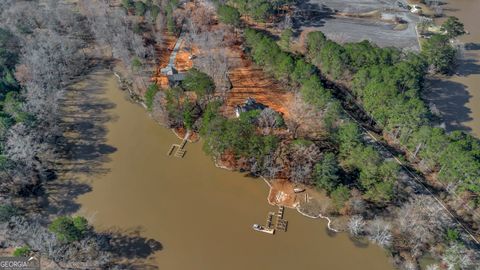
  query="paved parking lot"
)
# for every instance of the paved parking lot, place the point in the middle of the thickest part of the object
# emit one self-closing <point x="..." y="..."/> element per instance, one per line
<point x="320" y="15"/>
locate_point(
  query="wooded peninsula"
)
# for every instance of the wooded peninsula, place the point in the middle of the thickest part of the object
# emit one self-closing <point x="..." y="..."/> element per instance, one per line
<point x="266" y="97"/>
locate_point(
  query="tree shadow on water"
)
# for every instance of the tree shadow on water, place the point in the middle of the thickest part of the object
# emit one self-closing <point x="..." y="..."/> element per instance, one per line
<point x="359" y="242"/>
<point x="62" y="196"/>
<point x="129" y="244"/>
<point x="330" y="233"/>
<point x="471" y="46"/>
<point x="450" y="99"/>
<point x="86" y="113"/>
<point x="83" y="150"/>
<point x="468" y="67"/>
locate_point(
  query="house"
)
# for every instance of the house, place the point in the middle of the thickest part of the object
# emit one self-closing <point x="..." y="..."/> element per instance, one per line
<point x="249" y="105"/>
<point x="174" y="78"/>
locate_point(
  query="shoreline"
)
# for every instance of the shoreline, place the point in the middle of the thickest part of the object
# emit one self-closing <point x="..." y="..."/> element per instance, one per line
<point x="216" y="163"/>
<point x="297" y="207"/>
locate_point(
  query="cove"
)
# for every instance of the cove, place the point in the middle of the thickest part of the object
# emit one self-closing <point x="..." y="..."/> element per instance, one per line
<point x="201" y="215"/>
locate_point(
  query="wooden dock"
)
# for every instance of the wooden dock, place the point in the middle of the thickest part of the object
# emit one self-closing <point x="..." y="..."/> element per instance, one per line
<point x="280" y="212"/>
<point x="179" y="148"/>
<point x="281" y="223"/>
<point x="179" y="153"/>
<point x="270" y="226"/>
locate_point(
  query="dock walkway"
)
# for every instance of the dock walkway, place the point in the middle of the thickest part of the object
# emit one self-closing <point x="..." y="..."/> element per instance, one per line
<point x="180" y="148"/>
<point x="281" y="223"/>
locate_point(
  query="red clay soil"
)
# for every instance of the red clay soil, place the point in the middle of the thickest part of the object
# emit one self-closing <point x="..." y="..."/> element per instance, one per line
<point x="183" y="62"/>
<point x="250" y="81"/>
<point x="227" y="160"/>
<point x="180" y="132"/>
<point x="281" y="193"/>
<point x="247" y="80"/>
<point x="164" y="50"/>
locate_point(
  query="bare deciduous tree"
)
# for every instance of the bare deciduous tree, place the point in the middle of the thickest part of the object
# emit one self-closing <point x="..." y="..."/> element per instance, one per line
<point x="379" y="232"/>
<point x="458" y="257"/>
<point x="22" y="146"/>
<point x="303" y="118"/>
<point x="356" y="225"/>
<point x="268" y="120"/>
<point x="270" y="166"/>
<point x="213" y="56"/>
<point x="421" y="222"/>
<point x="159" y="111"/>
<point x="301" y="163"/>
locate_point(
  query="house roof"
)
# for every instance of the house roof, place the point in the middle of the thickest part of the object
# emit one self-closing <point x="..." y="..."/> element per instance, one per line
<point x="177" y="77"/>
<point x="250" y="104"/>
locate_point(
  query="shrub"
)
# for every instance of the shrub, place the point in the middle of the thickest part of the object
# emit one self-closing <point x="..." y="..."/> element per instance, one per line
<point x="302" y="142"/>
<point x="452" y="235"/>
<point x="198" y="82"/>
<point x="7" y="211"/>
<point x="137" y="28"/>
<point x="439" y="53"/>
<point x="154" y="11"/>
<point x="136" y="64"/>
<point x="150" y="95"/>
<point x="69" y="229"/>
<point x="229" y="15"/>
<point x="326" y="173"/>
<point x="140" y="8"/>
<point x="188" y="115"/>
<point x="127" y="4"/>
<point x="285" y="38"/>
<point x="339" y="196"/>
<point x="453" y="27"/>
<point x="211" y="111"/>
<point x="171" y="26"/>
<point x="21" y="251"/>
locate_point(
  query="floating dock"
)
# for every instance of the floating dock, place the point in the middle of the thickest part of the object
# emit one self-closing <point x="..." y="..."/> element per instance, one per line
<point x="270" y="227"/>
<point x="260" y="228"/>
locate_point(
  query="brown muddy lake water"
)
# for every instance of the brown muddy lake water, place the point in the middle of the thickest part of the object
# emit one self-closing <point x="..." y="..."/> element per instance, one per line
<point x="200" y="214"/>
<point x="458" y="97"/>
